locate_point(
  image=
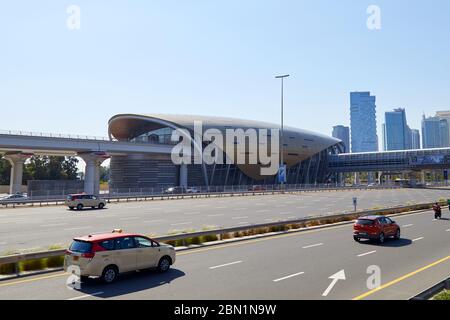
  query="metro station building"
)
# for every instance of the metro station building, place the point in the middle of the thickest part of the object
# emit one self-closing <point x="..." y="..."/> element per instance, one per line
<point x="305" y="154"/>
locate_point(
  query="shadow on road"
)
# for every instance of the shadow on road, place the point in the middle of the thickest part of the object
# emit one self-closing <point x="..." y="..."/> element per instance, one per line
<point x="389" y="243"/>
<point x="131" y="283"/>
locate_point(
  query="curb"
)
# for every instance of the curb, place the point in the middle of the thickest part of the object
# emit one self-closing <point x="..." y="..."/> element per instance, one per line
<point x="434" y="290"/>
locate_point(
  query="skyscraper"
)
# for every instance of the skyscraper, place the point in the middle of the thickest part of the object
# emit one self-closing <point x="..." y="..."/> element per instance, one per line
<point x="396" y="133"/>
<point x="415" y="139"/>
<point x="342" y="133"/>
<point x="363" y="122"/>
<point x="444" y="115"/>
<point x="435" y="132"/>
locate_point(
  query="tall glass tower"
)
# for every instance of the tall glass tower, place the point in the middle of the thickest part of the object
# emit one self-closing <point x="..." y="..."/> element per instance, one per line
<point x="342" y="133"/>
<point x="396" y="133"/>
<point x="363" y="122"/>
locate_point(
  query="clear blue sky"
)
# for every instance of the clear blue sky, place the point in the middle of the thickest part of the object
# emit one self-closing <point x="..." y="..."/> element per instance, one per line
<point x="218" y="58"/>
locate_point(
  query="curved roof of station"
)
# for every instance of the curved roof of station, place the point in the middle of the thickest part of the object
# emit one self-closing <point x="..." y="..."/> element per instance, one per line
<point x="299" y="144"/>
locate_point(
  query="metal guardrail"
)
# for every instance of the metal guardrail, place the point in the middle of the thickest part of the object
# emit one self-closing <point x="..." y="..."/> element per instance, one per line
<point x="51" y="135"/>
<point x="15" y="259"/>
<point x="434" y="290"/>
<point x="146" y="197"/>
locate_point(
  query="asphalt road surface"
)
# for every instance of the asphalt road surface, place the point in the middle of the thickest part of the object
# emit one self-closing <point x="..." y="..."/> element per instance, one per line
<point x="40" y="227"/>
<point x="288" y="266"/>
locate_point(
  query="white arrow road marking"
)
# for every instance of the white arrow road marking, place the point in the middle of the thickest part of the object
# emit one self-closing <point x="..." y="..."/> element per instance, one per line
<point x="86" y="296"/>
<point x="336" y="277"/>
<point x="367" y="253"/>
<point x="225" y="265"/>
<point x="417" y="239"/>
<point x="288" y="277"/>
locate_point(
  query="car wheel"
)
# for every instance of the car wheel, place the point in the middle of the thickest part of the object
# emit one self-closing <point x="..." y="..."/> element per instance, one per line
<point x="164" y="264"/>
<point x="109" y="274"/>
<point x="381" y="238"/>
<point x="397" y="234"/>
<point x="79" y="207"/>
<point x="357" y="239"/>
<point x="101" y="205"/>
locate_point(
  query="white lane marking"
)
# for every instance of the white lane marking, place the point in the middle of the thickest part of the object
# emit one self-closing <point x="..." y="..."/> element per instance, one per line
<point x="367" y="253"/>
<point x="86" y="296"/>
<point x="191" y="213"/>
<point x="77" y="228"/>
<point x="313" y="245"/>
<point x="244" y="223"/>
<point x="200" y="205"/>
<point x="225" y="265"/>
<point x="240" y="209"/>
<point x="280" y="206"/>
<point x="221" y="207"/>
<point x="417" y="239"/>
<point x="285" y="213"/>
<point x="447" y="230"/>
<point x="180" y="224"/>
<point x="407" y="225"/>
<point x="265" y="210"/>
<point x="216" y="215"/>
<point x="237" y="218"/>
<point x="288" y="277"/>
<point x="53" y="225"/>
<point x="129" y="218"/>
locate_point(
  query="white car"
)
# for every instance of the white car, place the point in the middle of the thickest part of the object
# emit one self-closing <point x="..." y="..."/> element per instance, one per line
<point x="14" y="198"/>
<point x="192" y="190"/>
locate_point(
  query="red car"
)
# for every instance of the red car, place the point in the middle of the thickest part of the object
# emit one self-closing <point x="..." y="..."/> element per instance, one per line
<point x="375" y="228"/>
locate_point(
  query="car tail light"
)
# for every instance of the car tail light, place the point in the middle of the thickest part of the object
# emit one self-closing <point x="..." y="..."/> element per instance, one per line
<point x="88" y="255"/>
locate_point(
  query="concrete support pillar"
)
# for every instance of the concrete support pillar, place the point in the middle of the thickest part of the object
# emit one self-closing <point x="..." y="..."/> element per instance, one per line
<point x="341" y="179"/>
<point x="370" y="177"/>
<point x="17" y="161"/>
<point x="422" y="177"/>
<point x="357" y="178"/>
<point x="183" y="175"/>
<point x="92" y="172"/>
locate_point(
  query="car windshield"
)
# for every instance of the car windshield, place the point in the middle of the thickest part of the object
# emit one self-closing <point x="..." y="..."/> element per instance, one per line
<point x="364" y="222"/>
<point x="81" y="246"/>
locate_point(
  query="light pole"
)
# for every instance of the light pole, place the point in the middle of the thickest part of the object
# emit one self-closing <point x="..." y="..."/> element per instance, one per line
<point x="282" y="121"/>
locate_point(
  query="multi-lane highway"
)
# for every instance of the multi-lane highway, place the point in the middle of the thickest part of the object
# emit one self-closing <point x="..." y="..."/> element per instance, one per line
<point x="40" y="227"/>
<point x="288" y="266"/>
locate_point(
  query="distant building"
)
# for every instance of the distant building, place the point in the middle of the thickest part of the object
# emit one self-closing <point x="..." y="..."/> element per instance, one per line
<point x="435" y="132"/>
<point x="444" y="115"/>
<point x="363" y="123"/>
<point x="342" y="133"/>
<point x="396" y="133"/>
<point x="415" y="139"/>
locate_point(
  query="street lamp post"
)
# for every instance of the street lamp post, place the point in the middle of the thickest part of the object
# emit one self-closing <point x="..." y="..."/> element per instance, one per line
<point x="282" y="121"/>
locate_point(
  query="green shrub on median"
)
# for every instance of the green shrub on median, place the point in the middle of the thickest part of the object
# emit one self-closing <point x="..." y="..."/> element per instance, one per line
<point x="444" y="295"/>
<point x="7" y="268"/>
<point x="54" y="262"/>
<point x="32" y="265"/>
